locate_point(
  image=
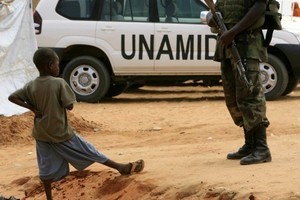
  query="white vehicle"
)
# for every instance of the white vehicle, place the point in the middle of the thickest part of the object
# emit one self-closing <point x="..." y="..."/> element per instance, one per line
<point x="104" y="44"/>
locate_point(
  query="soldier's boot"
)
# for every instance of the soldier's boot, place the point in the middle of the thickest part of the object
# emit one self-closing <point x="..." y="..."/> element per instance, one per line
<point x="261" y="152"/>
<point x="245" y="150"/>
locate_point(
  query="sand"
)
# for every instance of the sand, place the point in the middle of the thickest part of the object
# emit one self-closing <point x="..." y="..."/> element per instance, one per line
<point x="182" y="133"/>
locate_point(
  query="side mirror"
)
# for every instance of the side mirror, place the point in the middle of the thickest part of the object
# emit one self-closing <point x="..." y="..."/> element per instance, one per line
<point x="203" y="15"/>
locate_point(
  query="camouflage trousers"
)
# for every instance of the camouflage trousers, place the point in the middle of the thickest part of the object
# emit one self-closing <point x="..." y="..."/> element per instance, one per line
<point x="246" y="109"/>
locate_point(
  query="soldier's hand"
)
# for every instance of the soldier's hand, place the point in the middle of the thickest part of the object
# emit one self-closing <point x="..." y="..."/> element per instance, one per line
<point x="210" y="20"/>
<point x="226" y="38"/>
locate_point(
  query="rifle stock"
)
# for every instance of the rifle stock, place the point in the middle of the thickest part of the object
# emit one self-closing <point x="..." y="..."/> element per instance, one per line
<point x="232" y="49"/>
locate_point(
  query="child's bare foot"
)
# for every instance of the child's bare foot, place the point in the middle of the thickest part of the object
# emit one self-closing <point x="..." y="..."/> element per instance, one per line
<point x="133" y="167"/>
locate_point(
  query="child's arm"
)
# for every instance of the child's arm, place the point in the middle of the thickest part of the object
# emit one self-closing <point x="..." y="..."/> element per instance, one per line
<point x="20" y="102"/>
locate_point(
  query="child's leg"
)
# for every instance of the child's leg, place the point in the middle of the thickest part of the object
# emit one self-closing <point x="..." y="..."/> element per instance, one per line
<point x="118" y="166"/>
<point x="52" y="166"/>
<point x="126" y="169"/>
<point x="48" y="190"/>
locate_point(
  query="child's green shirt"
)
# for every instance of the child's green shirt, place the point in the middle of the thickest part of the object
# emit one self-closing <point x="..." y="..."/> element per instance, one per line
<point x="50" y="95"/>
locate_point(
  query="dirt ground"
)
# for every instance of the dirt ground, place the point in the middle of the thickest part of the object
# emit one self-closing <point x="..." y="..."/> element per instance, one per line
<point x="182" y="133"/>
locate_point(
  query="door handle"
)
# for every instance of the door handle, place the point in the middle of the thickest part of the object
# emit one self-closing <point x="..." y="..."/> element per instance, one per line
<point x="108" y="28"/>
<point x="164" y="29"/>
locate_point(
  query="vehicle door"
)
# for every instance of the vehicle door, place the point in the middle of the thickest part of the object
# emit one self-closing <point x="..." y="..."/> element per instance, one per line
<point x="126" y="36"/>
<point x="182" y="42"/>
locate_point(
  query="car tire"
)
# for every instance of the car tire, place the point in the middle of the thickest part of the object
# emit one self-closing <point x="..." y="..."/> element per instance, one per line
<point x="291" y="86"/>
<point x="274" y="77"/>
<point x="88" y="78"/>
<point x="115" y="89"/>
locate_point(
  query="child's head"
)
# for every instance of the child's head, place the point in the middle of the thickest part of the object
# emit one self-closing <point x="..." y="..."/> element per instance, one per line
<point x="46" y="61"/>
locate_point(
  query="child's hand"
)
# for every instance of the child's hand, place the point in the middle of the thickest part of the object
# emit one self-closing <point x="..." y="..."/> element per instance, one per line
<point x="37" y="113"/>
<point x="69" y="107"/>
<point x="23" y="103"/>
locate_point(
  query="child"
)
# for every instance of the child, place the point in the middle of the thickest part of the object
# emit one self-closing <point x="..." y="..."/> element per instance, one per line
<point x="57" y="144"/>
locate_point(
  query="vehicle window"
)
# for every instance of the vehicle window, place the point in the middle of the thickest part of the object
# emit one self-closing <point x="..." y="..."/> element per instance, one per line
<point x="137" y="10"/>
<point x="125" y="10"/>
<point x="78" y="9"/>
<point x="180" y="11"/>
<point x="112" y="10"/>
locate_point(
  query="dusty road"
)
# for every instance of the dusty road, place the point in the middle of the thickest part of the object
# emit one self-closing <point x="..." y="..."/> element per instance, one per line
<point x="182" y="133"/>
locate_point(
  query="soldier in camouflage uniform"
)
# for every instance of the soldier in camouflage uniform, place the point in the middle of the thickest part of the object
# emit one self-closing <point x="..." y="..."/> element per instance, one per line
<point x="247" y="110"/>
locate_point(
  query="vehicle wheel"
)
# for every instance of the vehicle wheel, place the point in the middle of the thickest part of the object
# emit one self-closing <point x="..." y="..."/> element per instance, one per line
<point x="292" y="84"/>
<point x="88" y="78"/>
<point x="115" y="89"/>
<point x="274" y="77"/>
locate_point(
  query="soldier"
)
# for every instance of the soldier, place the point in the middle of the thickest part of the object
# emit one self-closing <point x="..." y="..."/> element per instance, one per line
<point x="248" y="110"/>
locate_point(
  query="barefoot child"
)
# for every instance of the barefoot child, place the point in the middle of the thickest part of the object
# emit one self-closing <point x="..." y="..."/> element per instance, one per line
<point x="57" y="144"/>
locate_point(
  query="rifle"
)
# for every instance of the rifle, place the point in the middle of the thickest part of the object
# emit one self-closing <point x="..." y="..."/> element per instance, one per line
<point x="236" y="58"/>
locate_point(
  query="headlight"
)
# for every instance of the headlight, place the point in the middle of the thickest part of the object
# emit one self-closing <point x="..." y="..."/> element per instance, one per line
<point x="291" y="24"/>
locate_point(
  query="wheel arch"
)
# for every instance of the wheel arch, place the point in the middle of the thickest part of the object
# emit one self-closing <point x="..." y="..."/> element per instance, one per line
<point x="67" y="54"/>
<point x="274" y="50"/>
<point x="289" y="55"/>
